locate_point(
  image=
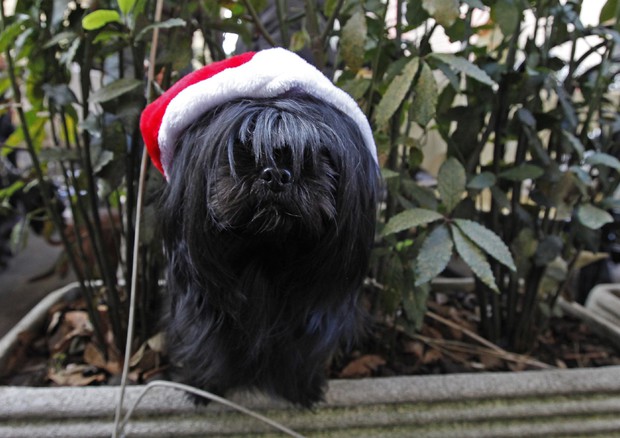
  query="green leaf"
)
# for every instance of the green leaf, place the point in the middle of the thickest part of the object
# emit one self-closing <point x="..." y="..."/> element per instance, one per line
<point x="610" y="203"/>
<point x="396" y="92"/>
<point x="425" y="95"/>
<point x="434" y="255"/>
<point x="522" y="172"/>
<point x="409" y="219"/>
<point x="388" y="173"/>
<point x="109" y="35"/>
<point x="9" y="191"/>
<point x="474" y="257"/>
<point x="603" y="159"/>
<point x="583" y="176"/>
<point x="167" y="24"/>
<point x="445" y="12"/>
<point x="126" y="6"/>
<point x="12" y="31"/>
<point x="356" y="88"/>
<point x="475" y="4"/>
<point x="19" y="236"/>
<point x="526" y="117"/>
<point x="99" y="18"/>
<point x="451" y="181"/>
<point x="547" y="250"/>
<point x="414" y="304"/>
<point x="61" y="37"/>
<point x="573" y="142"/>
<point x="58" y="154"/>
<point x="593" y="217"/>
<point x="524" y="247"/>
<point x="424" y="196"/>
<point x="35" y="123"/>
<point x="299" y="40"/>
<point x="486" y="239"/>
<point x="353" y="40"/>
<point x="329" y="7"/>
<point x="507" y="15"/>
<point x="115" y="89"/>
<point x="566" y="102"/>
<point x="464" y="66"/>
<point x="609" y="12"/>
<point x="482" y="181"/>
<point x="500" y="198"/>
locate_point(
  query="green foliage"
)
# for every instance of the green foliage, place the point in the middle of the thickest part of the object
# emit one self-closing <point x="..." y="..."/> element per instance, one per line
<point x="99" y="18"/>
<point x="396" y="92"/>
<point x="469" y="251"/>
<point x="434" y="255"/>
<point x="353" y="40"/>
<point x="451" y="183"/>
<point x="532" y="166"/>
<point x="411" y="218"/>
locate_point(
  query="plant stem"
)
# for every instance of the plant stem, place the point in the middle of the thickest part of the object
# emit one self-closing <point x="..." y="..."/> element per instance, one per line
<point x="375" y="68"/>
<point x="330" y="22"/>
<point x="109" y="277"/>
<point x="258" y="23"/>
<point x="48" y="194"/>
<point x="281" y="8"/>
<point x="316" y="42"/>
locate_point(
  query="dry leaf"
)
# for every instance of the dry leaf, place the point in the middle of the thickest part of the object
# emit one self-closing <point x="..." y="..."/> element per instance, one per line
<point x="94" y="357"/>
<point x="414" y="347"/>
<point x="431" y="356"/>
<point x="362" y="366"/>
<point x="157" y="343"/>
<point x="490" y="362"/>
<point x="75" y="323"/>
<point x="75" y="375"/>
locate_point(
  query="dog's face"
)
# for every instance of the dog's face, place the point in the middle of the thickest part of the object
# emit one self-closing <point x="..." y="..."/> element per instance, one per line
<point x="274" y="168"/>
<point x="275" y="189"/>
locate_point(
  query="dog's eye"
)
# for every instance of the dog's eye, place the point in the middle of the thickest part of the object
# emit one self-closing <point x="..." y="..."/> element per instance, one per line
<point x="283" y="157"/>
<point x="243" y="155"/>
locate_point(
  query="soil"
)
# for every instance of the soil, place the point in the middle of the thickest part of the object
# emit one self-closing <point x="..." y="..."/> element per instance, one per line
<point x="66" y="353"/>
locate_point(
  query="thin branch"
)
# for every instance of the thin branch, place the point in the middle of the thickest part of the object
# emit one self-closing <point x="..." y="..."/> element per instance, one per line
<point x="330" y="21"/>
<point x="259" y="25"/>
<point x="136" y="243"/>
<point x="465" y="331"/>
<point x="500" y="352"/>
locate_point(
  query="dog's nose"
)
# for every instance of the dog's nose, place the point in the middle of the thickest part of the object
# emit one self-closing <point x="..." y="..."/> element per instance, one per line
<point x="275" y="178"/>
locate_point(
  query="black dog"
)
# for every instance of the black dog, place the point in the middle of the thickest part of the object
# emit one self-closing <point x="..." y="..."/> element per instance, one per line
<point x="268" y="221"/>
<point x="268" y="229"/>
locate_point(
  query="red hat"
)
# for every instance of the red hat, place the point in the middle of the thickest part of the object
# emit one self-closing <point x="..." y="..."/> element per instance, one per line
<point x="268" y="73"/>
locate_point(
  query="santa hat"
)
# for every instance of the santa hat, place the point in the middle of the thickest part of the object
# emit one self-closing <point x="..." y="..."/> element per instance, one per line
<point x="268" y="73"/>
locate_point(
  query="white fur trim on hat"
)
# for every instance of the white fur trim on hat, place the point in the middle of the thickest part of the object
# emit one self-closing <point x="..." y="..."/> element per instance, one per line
<point x="268" y="73"/>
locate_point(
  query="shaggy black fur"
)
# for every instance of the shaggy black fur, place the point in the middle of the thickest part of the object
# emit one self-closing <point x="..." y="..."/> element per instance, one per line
<point x="268" y="221"/>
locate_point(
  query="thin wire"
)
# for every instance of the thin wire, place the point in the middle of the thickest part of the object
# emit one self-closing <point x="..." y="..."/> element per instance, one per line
<point x="212" y="397"/>
<point x="119" y="426"/>
<point x="136" y="241"/>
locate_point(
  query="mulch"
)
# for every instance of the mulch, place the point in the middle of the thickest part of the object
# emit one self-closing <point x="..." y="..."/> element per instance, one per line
<point x="65" y="352"/>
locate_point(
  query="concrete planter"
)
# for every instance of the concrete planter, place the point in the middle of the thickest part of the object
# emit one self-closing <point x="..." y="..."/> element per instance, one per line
<point x="537" y="403"/>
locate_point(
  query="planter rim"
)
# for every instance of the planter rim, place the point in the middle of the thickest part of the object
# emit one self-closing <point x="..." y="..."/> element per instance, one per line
<point x="20" y="402"/>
